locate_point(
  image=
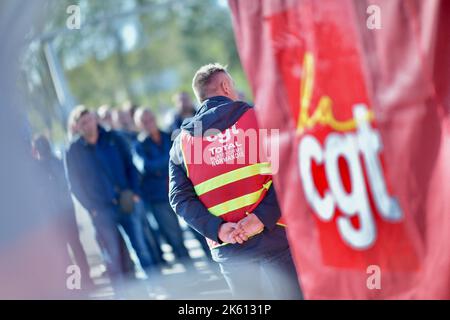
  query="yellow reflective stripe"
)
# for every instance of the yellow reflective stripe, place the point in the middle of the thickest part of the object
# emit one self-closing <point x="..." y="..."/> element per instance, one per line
<point x="239" y="202"/>
<point x="232" y="176"/>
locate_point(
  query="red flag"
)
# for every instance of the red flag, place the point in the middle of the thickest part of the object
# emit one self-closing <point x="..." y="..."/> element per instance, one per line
<point x="360" y="93"/>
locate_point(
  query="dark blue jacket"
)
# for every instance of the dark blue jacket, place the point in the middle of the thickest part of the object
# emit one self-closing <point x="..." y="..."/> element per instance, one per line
<point x="155" y="166"/>
<point x="177" y="123"/>
<point x="221" y="113"/>
<point x="98" y="172"/>
<point x="56" y="184"/>
<point x="130" y="137"/>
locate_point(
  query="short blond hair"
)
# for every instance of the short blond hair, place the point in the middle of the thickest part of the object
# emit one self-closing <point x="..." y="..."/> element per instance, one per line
<point x="203" y="78"/>
<point x="78" y="112"/>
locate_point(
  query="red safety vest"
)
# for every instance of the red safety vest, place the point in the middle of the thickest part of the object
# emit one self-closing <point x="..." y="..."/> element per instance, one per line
<point x="229" y="174"/>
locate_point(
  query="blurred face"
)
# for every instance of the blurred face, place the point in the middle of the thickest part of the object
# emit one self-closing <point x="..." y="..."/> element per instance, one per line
<point x="106" y="118"/>
<point x="148" y="122"/>
<point x="122" y="120"/>
<point x="125" y="119"/>
<point x="184" y="102"/>
<point x="116" y="119"/>
<point x="41" y="148"/>
<point x="87" y="125"/>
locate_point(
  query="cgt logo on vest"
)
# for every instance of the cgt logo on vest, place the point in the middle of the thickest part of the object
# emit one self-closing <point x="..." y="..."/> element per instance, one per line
<point x="223" y="148"/>
<point x="242" y="143"/>
<point x="223" y="137"/>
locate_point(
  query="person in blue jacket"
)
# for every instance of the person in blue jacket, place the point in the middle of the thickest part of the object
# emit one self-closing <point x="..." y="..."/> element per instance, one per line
<point x="184" y="109"/>
<point x="100" y="168"/>
<point x="152" y="148"/>
<point x="56" y="185"/>
<point x="255" y="267"/>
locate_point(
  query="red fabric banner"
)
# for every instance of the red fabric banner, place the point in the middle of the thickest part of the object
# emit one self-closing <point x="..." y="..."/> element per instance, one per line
<point x="360" y="93"/>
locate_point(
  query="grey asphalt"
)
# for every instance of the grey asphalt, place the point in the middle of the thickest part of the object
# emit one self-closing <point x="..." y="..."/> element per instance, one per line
<point x="204" y="281"/>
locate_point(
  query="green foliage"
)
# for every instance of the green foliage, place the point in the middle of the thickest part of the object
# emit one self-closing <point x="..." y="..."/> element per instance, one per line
<point x="173" y="39"/>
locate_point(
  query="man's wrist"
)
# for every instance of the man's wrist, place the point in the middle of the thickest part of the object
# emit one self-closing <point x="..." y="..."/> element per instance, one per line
<point x="269" y="221"/>
<point x="218" y="232"/>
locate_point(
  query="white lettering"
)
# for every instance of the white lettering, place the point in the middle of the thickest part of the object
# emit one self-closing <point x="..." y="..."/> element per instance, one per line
<point x="358" y="149"/>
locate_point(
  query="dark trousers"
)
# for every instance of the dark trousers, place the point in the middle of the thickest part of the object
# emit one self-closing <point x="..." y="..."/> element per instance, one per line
<point x="152" y="240"/>
<point x="267" y="277"/>
<point x="128" y="265"/>
<point x="200" y="238"/>
<point x="73" y="240"/>
<point x="108" y="236"/>
<point x="169" y="227"/>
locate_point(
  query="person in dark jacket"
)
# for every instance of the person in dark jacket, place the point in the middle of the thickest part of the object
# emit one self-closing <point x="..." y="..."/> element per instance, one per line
<point x="184" y="110"/>
<point x="153" y="149"/>
<point x="100" y="170"/>
<point x="124" y="125"/>
<point x="254" y="267"/>
<point x="62" y="204"/>
<point x="121" y="122"/>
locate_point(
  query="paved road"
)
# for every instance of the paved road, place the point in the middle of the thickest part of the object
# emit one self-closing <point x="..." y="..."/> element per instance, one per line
<point x="175" y="282"/>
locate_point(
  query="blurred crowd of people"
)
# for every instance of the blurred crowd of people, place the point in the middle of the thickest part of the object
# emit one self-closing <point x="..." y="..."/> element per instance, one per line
<point x="116" y="166"/>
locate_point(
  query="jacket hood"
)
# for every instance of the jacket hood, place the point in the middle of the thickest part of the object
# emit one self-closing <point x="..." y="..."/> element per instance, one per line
<point x="215" y="113"/>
